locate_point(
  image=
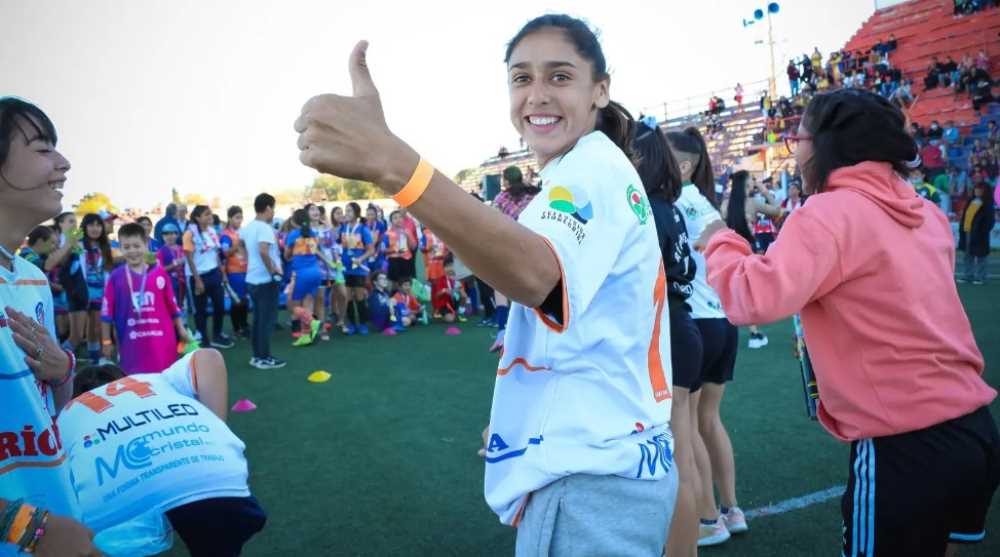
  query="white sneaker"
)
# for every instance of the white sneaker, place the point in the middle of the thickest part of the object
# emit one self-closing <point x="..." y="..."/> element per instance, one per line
<point x="735" y="521"/>
<point x="762" y="338"/>
<point x="754" y="342"/>
<point x="713" y="534"/>
<point x="257" y="363"/>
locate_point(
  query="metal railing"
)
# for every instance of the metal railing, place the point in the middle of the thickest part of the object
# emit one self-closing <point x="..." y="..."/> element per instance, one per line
<point x="698" y="103"/>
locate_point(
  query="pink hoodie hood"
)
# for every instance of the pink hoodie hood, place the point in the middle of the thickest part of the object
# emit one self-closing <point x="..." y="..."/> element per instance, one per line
<point x="879" y="183"/>
<point x="869" y="264"/>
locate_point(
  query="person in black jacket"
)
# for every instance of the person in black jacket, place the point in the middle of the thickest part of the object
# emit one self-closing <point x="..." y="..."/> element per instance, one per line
<point x="974" y="233"/>
<point x="661" y="177"/>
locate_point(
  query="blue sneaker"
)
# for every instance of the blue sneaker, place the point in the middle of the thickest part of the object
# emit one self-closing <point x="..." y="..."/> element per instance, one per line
<point x="363" y="330"/>
<point x="399" y="328"/>
<point x="349" y="330"/>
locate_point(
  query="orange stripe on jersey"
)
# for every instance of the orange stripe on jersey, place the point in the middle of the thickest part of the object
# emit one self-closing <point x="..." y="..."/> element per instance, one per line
<point x="557" y="327"/>
<point x="43" y="464"/>
<point x="657" y="378"/>
<point x="520" y="362"/>
<point x="194" y="371"/>
<point x="520" y="512"/>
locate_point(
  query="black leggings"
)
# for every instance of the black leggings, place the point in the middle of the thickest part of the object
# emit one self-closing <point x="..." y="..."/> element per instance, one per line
<point x="215" y="292"/>
<point x="218" y="527"/>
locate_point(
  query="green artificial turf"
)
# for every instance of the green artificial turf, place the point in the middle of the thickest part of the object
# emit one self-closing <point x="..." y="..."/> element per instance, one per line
<point x="381" y="460"/>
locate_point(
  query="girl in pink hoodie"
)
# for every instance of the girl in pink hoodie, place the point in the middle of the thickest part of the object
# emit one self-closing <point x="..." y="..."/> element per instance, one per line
<point x="869" y="264"/>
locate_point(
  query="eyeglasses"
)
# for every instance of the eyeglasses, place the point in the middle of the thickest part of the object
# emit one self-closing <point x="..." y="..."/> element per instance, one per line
<point x="792" y="141"/>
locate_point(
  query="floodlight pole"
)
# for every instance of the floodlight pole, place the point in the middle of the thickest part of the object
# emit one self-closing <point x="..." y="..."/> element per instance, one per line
<point x="773" y="86"/>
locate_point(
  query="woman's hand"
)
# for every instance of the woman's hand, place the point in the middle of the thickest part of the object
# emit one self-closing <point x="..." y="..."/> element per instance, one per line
<point x="199" y="287"/>
<point x="44" y="355"/>
<point x="710" y="230"/>
<point x="108" y="351"/>
<point x="348" y="136"/>
<point x="65" y="537"/>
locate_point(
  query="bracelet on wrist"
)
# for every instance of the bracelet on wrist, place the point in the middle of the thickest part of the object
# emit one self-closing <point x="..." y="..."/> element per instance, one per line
<point x="417" y="184"/>
<point x="7" y="517"/>
<point x="38" y="532"/>
<point x="70" y="370"/>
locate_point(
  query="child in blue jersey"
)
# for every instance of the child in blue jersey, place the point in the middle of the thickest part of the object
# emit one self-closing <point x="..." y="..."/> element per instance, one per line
<point x="186" y="463"/>
<point x="356" y="241"/>
<point x="386" y="313"/>
<point x="84" y="277"/>
<point x="38" y="508"/>
<point x="302" y="249"/>
<point x="377" y="228"/>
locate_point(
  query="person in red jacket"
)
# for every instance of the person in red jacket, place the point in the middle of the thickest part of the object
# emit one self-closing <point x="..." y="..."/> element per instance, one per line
<point x="869" y="265"/>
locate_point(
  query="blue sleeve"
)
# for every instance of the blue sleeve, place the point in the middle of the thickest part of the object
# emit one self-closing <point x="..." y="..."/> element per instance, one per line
<point x="366" y="236"/>
<point x="226" y="242"/>
<point x="292" y="236"/>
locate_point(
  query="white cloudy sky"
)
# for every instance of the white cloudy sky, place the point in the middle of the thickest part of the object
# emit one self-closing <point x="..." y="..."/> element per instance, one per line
<point x="201" y="94"/>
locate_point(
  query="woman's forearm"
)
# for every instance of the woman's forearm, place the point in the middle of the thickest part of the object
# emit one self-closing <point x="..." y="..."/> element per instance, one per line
<point x="505" y="254"/>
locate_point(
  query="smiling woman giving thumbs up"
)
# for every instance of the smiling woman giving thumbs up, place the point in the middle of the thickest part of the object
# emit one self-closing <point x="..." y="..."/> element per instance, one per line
<point x="582" y="394"/>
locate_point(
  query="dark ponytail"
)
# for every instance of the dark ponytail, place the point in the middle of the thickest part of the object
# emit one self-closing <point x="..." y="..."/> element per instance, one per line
<point x="301" y="219"/>
<point x="613" y="120"/>
<point x="736" y="217"/>
<point x="517" y="188"/>
<point x="691" y="143"/>
<point x="852" y="126"/>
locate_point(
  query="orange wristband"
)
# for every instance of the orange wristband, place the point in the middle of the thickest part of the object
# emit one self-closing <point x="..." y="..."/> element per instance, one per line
<point x="20" y="524"/>
<point x="417" y="185"/>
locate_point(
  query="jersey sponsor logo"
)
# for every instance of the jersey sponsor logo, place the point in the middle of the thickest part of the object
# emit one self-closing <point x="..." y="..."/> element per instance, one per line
<point x="161" y="283"/>
<point x="655" y="455"/>
<point x="40" y="313"/>
<point x="138" y="454"/>
<point x="3" y="321"/>
<point x="638" y="203"/>
<point x="138" y="420"/>
<point x="29" y="447"/>
<point x="572" y="201"/>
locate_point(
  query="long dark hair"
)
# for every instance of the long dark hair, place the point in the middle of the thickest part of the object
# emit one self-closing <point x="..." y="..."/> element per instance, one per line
<point x="691" y="143"/>
<point x="613" y="120"/>
<point x="518" y="188"/>
<point x="356" y="209"/>
<point x="301" y="219"/>
<point x="59" y="220"/>
<point x="15" y="113"/>
<point x="736" y="216"/>
<point x="852" y="126"/>
<point x="196" y="214"/>
<point x="103" y="243"/>
<point x="656" y="165"/>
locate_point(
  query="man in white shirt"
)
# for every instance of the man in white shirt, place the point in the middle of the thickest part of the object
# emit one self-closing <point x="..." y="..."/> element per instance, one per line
<point x="264" y="276"/>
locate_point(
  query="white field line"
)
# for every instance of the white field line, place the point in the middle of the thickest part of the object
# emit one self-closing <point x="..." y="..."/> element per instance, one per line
<point x="802" y="502"/>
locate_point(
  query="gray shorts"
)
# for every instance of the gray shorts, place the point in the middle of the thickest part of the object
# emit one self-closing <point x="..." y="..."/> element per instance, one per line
<point x="601" y="516"/>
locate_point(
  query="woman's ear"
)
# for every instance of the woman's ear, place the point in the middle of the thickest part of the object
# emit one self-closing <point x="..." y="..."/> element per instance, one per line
<point x="602" y="95"/>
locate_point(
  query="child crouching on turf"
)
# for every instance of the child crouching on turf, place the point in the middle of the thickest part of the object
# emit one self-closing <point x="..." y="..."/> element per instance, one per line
<point x="384" y="314"/>
<point x="409" y="308"/>
<point x="159" y="443"/>
<point x="448" y="294"/>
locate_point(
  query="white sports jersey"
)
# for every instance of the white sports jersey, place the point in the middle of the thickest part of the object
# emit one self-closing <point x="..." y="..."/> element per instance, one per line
<point x="145" y="443"/>
<point x="32" y="456"/>
<point x="698" y="213"/>
<point x="586" y="391"/>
